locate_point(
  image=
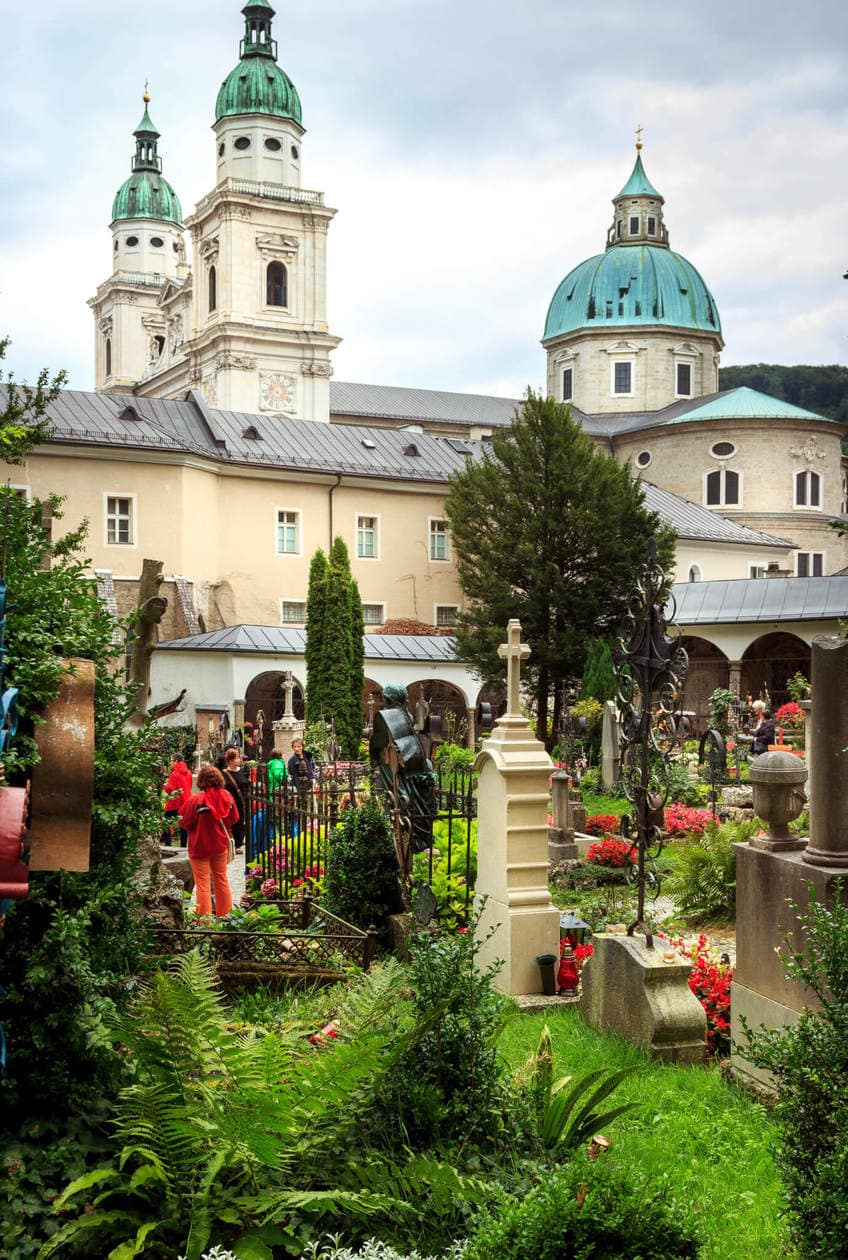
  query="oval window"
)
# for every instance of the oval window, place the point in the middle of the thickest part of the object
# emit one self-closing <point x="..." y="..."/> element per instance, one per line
<point x="721" y="450"/>
<point x="132" y="241"/>
<point x="156" y="242"/>
<point x="116" y="246"/>
<point x="643" y="459"/>
<point x="295" y="152"/>
<point x="273" y="145"/>
<point x="243" y="142"/>
<point x="221" y="148"/>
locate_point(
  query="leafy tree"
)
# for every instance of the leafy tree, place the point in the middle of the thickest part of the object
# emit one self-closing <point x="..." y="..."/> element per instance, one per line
<point x="548" y="529"/>
<point x="315" y="598"/>
<point x="23" y="411"/>
<point x="822" y="388"/>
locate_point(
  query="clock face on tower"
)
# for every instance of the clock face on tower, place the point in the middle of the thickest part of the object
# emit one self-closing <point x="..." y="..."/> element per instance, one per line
<point x="278" y="391"/>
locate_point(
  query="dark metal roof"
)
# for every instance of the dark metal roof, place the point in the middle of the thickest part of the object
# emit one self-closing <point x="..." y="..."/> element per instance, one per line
<point x="399" y="403"/>
<point x="278" y="641"/>
<point x="761" y="599"/>
<point x="690" y="520"/>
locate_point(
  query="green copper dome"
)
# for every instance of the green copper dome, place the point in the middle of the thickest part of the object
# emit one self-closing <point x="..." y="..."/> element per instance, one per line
<point x="632" y="284"/>
<point x="146" y="194"/>
<point x="257" y="85"/>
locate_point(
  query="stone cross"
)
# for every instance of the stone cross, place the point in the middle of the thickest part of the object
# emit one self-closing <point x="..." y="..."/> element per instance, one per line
<point x="514" y="652"/>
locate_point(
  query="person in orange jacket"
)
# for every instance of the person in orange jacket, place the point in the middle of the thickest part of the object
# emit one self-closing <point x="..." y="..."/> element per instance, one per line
<point x="208" y="817"/>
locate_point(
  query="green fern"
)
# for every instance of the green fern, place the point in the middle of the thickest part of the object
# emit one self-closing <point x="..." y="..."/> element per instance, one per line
<point x="704" y="881"/>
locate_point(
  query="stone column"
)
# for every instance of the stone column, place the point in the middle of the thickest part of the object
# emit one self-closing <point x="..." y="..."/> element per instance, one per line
<point x="561" y="844"/>
<point x="734" y="676"/>
<point x="828" y="739"/>
<point x="471" y="737"/>
<point x="238" y="714"/>
<point x="512" y="893"/>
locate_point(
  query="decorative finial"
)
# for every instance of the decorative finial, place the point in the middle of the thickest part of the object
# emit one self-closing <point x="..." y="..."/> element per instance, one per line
<point x="639" y="130"/>
<point x="146" y="97"/>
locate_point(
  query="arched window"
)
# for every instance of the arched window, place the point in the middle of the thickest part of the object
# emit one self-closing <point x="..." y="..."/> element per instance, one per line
<point x="276" y="285"/>
<point x="213" y="289"/>
<point x="722" y="488"/>
<point x="108" y="356"/>
<point x="808" y="489"/>
<point x="695" y="573"/>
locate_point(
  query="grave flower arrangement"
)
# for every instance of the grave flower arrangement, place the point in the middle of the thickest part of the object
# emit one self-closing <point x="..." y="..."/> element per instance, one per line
<point x="683" y="820"/>
<point x="603" y="825"/>
<point x="611" y="851"/>
<point x="710" y="981"/>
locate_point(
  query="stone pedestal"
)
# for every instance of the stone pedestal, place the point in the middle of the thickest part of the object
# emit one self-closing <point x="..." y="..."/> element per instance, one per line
<point x="765" y="884"/>
<point x="286" y="731"/>
<point x="629" y="989"/>
<point x="512" y="855"/>
<point x="561" y="845"/>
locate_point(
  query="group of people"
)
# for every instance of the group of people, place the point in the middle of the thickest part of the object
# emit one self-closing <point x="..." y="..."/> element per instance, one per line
<point x="211" y="820"/>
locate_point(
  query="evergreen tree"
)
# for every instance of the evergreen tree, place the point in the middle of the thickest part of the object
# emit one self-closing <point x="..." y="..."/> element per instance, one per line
<point x="550" y="530"/>
<point x="357" y="661"/>
<point x="315" y="600"/>
<point x="598" y="673"/>
<point x="333" y="691"/>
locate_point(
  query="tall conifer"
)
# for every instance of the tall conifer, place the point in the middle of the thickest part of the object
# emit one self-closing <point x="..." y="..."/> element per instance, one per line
<point x="315" y="601"/>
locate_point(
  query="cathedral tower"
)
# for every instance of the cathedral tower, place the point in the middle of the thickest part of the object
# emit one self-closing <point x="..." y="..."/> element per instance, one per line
<point x="147" y="250"/>
<point x="259" y="304"/>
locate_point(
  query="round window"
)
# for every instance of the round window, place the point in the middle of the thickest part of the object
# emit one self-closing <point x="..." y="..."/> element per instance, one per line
<point x="295" y="152"/>
<point x="721" y="450"/>
<point x="132" y="241"/>
<point x="643" y="459"/>
<point x="273" y="145"/>
<point x="243" y="142"/>
<point x="156" y="242"/>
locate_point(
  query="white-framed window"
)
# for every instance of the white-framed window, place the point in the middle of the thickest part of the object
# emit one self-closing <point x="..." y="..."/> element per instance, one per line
<point x="288" y="532"/>
<point x="446" y="615"/>
<point x="292" y="612"/>
<point x="634" y="225"/>
<point x="695" y="574"/>
<point x="622" y="372"/>
<point x="756" y="570"/>
<point x="809" y="564"/>
<point x="683" y="379"/>
<point x="120" y="526"/>
<point x="722" y="488"/>
<point x="373" y="614"/>
<point x="20" y="492"/>
<point x="439" y="539"/>
<point x="808" y="489"/>
<point x="368" y="538"/>
<point x="567" y="384"/>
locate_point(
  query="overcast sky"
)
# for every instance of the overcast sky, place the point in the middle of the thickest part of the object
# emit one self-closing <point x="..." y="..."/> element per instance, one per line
<point x="471" y="148"/>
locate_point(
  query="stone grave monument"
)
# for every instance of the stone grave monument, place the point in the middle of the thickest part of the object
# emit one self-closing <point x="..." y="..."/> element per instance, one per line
<point x="512" y="894"/>
<point x="287" y="728"/>
<point x="610" y="746"/>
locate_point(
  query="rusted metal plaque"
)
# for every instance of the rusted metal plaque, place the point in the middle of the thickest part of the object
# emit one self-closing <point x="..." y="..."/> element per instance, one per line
<point x="63" y="780"/>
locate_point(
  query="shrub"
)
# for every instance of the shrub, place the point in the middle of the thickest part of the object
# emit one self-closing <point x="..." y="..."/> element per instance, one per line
<point x="809" y="1064"/>
<point x="603" y="825"/>
<point x="587" y="1210"/>
<point x="611" y="852"/>
<point x="682" y="821"/>
<point x="704" y="880"/>
<point x="678" y="785"/>
<point x="450" y="869"/>
<point x="361" y="881"/>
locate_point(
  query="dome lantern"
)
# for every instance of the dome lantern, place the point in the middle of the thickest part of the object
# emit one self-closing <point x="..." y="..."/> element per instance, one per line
<point x="146" y="194"/>
<point x="257" y="85"/>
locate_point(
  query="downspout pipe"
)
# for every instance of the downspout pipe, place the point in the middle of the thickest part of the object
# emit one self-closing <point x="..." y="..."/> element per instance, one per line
<point x="333" y="490"/>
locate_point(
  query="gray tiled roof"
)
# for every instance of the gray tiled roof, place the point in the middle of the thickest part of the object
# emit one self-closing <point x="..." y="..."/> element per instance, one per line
<point x="761" y="599"/>
<point x="279" y="641"/>
<point x="397" y="402"/>
<point x="124" y="421"/>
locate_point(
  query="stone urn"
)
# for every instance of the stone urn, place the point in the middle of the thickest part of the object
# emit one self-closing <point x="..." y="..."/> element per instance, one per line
<point x="778" y="779"/>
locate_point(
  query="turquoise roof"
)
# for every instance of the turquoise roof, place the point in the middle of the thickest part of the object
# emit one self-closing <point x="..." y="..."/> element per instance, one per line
<point x="257" y="85"/>
<point x="746" y="404"/>
<point x="146" y="127"/>
<point x="638" y="185"/>
<point x="147" y="195"/>
<point x="632" y="284"/>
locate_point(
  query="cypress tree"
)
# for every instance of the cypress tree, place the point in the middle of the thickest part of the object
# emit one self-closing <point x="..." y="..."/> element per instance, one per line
<point x="337" y="649"/>
<point x="357" y="662"/>
<point x="315" y="601"/>
<point x="598" y="673"/>
<point x="548" y="529"/>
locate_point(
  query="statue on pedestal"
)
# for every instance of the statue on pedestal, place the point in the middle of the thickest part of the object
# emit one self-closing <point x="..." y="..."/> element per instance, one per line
<point x="404" y="772"/>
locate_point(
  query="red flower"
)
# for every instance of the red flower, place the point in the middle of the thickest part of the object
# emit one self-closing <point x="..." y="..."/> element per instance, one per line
<point x="603" y="825"/>
<point x="612" y="851"/>
<point x="680" y="820"/>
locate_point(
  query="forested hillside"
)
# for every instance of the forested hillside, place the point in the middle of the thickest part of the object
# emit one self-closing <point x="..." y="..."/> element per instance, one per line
<point x="821" y="388"/>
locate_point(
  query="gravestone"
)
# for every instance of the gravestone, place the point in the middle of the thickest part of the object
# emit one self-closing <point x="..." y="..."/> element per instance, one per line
<point x="561" y="843"/>
<point x="512" y="895"/>
<point x="610" y="746"/>
<point x="288" y="728"/>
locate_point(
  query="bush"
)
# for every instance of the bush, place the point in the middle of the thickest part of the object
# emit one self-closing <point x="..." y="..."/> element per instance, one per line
<point x="611" y="852"/>
<point x="809" y="1063"/>
<point x="361" y="881"/>
<point x="682" y="821"/>
<point x="603" y="825"/>
<point x="680" y="785"/>
<point x="704" y="880"/>
<point x="587" y="1211"/>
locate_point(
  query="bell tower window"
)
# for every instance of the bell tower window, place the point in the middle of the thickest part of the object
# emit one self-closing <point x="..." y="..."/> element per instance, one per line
<point x="567" y="384"/>
<point x="108" y="356"/>
<point x="634" y="225"/>
<point x="213" y="289"/>
<point x="276" y="284"/>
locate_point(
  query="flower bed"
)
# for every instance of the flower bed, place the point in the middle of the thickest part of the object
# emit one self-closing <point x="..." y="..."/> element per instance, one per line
<point x="710" y="981"/>
<point x="612" y="852"/>
<point x="682" y="820"/>
<point x="603" y="825"/>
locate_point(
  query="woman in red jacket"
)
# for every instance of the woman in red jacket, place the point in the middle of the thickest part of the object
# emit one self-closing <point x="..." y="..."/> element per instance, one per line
<point x="208" y="817"/>
<point x="177" y="790"/>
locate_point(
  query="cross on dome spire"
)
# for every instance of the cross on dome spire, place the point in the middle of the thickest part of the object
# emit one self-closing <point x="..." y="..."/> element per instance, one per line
<point x="639" y="131"/>
<point x="514" y="652"/>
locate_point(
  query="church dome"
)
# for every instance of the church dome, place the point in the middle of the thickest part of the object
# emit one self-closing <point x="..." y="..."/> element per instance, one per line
<point x="632" y="284"/>
<point x="257" y="85"/>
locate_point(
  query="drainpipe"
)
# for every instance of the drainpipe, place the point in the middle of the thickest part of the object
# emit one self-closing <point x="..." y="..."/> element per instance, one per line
<point x="333" y="490"/>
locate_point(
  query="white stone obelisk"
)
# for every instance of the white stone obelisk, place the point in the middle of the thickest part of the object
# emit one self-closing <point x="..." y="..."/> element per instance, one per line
<point x="512" y="848"/>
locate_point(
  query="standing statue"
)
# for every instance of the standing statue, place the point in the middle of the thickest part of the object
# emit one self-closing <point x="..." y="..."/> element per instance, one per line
<point x="402" y="769"/>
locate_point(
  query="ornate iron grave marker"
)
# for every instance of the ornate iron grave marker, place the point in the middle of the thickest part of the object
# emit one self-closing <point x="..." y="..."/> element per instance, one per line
<point x="650" y="666"/>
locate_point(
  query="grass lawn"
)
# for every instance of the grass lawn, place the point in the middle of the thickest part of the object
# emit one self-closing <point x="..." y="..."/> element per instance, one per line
<point x="695" y="1132"/>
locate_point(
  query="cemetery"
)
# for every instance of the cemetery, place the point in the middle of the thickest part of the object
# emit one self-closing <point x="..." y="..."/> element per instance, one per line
<point x="468" y="1002"/>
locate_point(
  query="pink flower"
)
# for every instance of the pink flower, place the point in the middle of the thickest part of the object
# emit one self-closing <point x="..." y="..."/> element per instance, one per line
<point x="269" y="888"/>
